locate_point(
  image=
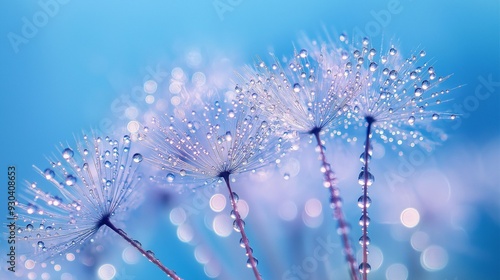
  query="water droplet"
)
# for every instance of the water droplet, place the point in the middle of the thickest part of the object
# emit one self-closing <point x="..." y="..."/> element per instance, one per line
<point x="29" y="227"/>
<point x="365" y="41"/>
<point x="296" y="88"/>
<point x="237" y="89"/>
<point x="151" y="253"/>
<point x="228" y="136"/>
<point x="366" y="241"/>
<point x="107" y="164"/>
<point x="236" y="197"/>
<point x="49" y="173"/>
<point x="138" y="243"/>
<point x="411" y="120"/>
<point x="393" y="74"/>
<point x="364" y="220"/>
<point x="230" y="114"/>
<point x="373" y="66"/>
<point x="236" y="226"/>
<point x="249" y="262"/>
<point x="418" y="92"/>
<point x="422" y="53"/>
<point x="41" y="244"/>
<point x="286" y="176"/>
<point x="137" y="157"/>
<point x="413" y="75"/>
<point x="425" y="84"/>
<point x="369" y="178"/>
<point x="342" y="37"/>
<point x="303" y="53"/>
<point x="67" y="153"/>
<point x="364" y="268"/>
<point x="362" y="157"/>
<point x="393" y="51"/>
<point x="170" y="177"/>
<point x="361" y="201"/>
<point x="435" y="116"/>
<point x="70" y="180"/>
<point x="242" y="243"/>
<point x="182" y="172"/>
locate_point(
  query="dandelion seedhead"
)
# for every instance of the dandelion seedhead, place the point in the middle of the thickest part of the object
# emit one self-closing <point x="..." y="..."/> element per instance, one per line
<point x="92" y="185"/>
<point x="395" y="95"/>
<point x="220" y="139"/>
<point x="399" y="96"/>
<point x="310" y="94"/>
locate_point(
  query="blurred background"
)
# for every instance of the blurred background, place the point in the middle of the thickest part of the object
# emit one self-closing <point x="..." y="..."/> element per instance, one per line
<point x="71" y="66"/>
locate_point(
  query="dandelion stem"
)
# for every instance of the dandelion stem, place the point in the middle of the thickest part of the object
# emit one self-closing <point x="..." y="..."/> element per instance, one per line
<point x="251" y="260"/>
<point x="147" y="254"/>
<point x="338" y="214"/>
<point x="364" y="228"/>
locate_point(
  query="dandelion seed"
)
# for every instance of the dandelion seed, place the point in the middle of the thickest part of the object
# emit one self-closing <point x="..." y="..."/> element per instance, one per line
<point x="218" y="141"/>
<point x="396" y="95"/>
<point x="310" y="96"/>
<point x="95" y="184"/>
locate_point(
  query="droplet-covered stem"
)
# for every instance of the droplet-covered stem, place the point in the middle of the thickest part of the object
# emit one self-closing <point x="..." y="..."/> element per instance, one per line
<point x="252" y="262"/>
<point x="365" y="266"/>
<point x="145" y="253"/>
<point x="336" y="202"/>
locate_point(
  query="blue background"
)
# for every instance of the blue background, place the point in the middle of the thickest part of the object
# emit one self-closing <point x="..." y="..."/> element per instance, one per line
<point x="64" y="79"/>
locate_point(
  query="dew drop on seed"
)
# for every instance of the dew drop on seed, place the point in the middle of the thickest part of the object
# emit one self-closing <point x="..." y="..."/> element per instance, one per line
<point x="411" y="120"/>
<point x="296" y="88"/>
<point x="67" y="153"/>
<point x="182" y="172"/>
<point x="422" y="53"/>
<point x="435" y="116"/>
<point x="425" y="84"/>
<point x="242" y="243"/>
<point x="40" y="244"/>
<point x="170" y="177"/>
<point x="373" y="66"/>
<point x="228" y="136"/>
<point x="393" y="51"/>
<point x="107" y="164"/>
<point x="393" y="74"/>
<point x="413" y="75"/>
<point x="29" y="227"/>
<point x="70" y="180"/>
<point x="137" y="157"/>
<point x="303" y="53"/>
<point x="418" y="92"/>
<point x="48" y="173"/>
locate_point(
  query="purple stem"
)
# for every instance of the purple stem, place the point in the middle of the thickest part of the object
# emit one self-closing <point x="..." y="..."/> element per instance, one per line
<point x="239" y="222"/>
<point x="337" y="208"/>
<point x="364" y="228"/>
<point x="145" y="253"/>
